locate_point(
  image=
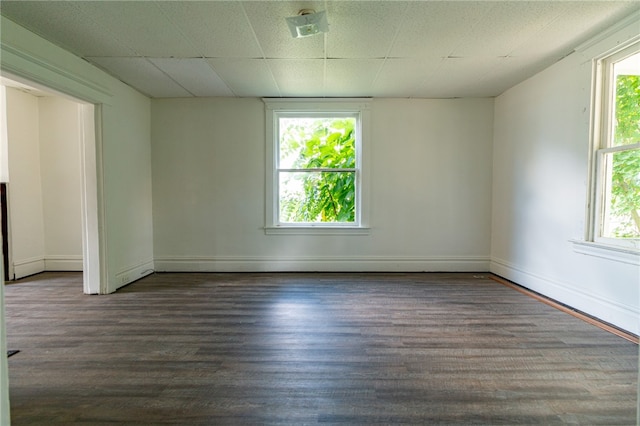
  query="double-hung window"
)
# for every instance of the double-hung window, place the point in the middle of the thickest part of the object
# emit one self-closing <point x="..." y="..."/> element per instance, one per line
<point x="615" y="212"/>
<point x="316" y="177"/>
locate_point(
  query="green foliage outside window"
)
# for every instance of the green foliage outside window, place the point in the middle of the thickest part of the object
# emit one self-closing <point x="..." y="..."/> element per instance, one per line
<point x="313" y="188"/>
<point x="625" y="185"/>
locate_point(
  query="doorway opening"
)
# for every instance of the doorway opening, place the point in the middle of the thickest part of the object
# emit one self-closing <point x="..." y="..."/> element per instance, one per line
<point x="50" y="199"/>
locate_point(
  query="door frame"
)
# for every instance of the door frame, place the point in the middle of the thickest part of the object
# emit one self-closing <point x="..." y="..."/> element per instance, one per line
<point x="92" y="211"/>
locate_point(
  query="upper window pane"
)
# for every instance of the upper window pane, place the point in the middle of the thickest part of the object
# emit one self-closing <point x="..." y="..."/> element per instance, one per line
<point x="313" y="142"/>
<point x="626" y="124"/>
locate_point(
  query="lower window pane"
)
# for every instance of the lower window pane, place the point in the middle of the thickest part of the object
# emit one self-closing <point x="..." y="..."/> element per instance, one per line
<point x="317" y="197"/>
<point x="621" y="215"/>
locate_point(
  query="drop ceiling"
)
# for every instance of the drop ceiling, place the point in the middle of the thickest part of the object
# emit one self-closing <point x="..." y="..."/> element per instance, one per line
<point x="416" y="49"/>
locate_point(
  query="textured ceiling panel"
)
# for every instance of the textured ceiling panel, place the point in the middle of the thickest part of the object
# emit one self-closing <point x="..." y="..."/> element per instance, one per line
<point x="400" y="77"/>
<point x="351" y="77"/>
<point x="66" y="25"/>
<point x="435" y="29"/>
<point x="214" y="29"/>
<point x="454" y="74"/>
<point x="508" y="25"/>
<point x="363" y="29"/>
<point x="373" y="48"/>
<point x="298" y="75"/>
<point x="507" y="73"/>
<point x="194" y="74"/>
<point x="141" y="26"/>
<point x="143" y="75"/>
<point x="565" y="33"/>
<point x="246" y="77"/>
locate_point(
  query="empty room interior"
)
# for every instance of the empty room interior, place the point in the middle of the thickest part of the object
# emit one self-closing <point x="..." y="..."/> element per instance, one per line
<point x="338" y="212"/>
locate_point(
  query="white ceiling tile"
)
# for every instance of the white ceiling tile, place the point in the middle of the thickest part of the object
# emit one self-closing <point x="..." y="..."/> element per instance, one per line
<point x="298" y="77"/>
<point x="507" y="73"/>
<point x="373" y="48"/>
<point x="269" y="24"/>
<point x="194" y="74"/>
<point x="581" y="21"/>
<point x="141" y="26"/>
<point x="143" y="75"/>
<point x="215" y="29"/>
<point x="246" y="77"/>
<point x="454" y="74"/>
<point x="66" y="25"/>
<point x="363" y="29"/>
<point x="434" y="29"/>
<point x="507" y="25"/>
<point x="351" y="77"/>
<point x="400" y="77"/>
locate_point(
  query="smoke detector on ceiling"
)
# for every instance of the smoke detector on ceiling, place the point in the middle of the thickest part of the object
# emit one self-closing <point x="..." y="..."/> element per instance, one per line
<point x="308" y="22"/>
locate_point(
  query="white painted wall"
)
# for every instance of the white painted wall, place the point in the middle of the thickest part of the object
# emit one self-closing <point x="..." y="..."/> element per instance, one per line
<point x="127" y="186"/>
<point x="541" y="146"/>
<point x="430" y="164"/>
<point x="122" y="147"/>
<point x="26" y="220"/>
<point x="61" y="183"/>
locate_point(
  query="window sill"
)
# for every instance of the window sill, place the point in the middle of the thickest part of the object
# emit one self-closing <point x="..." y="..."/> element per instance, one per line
<point x="606" y="251"/>
<point x="316" y="230"/>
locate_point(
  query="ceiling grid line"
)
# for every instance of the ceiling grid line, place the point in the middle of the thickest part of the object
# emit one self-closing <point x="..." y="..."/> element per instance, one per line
<point x="191" y="42"/>
<point x="168" y="76"/>
<point x="264" y="57"/>
<point x="450" y="55"/>
<point x="392" y="44"/>
<point x="382" y="48"/>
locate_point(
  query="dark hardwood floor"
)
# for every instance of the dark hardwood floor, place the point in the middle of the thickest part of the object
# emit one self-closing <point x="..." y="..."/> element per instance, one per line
<point x="309" y="348"/>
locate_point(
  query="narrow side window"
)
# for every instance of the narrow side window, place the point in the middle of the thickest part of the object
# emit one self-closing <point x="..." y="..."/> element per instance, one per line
<point x="616" y="215"/>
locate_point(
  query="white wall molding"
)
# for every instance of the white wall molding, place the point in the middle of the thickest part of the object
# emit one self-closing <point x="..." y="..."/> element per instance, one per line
<point x="324" y="264"/>
<point x="25" y="267"/>
<point x="618" y="314"/>
<point x="17" y="62"/>
<point x="63" y="263"/>
<point x="612" y="39"/>
<point x="134" y="273"/>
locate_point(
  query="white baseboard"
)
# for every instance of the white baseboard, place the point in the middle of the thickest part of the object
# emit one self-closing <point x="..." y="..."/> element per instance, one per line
<point x="321" y="264"/>
<point x="25" y="267"/>
<point x="613" y="312"/>
<point x="63" y="263"/>
<point x="132" y="273"/>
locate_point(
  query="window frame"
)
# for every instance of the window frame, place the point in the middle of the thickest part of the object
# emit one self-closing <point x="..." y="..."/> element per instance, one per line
<point x="602" y="131"/>
<point x="275" y="108"/>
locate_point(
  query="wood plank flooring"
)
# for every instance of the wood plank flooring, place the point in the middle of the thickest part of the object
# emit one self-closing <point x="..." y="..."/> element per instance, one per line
<point x="211" y="349"/>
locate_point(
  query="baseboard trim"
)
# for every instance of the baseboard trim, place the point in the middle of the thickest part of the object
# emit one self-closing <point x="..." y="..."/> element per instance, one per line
<point x="63" y="263"/>
<point x="566" y="309"/>
<point x="133" y="273"/>
<point x="617" y="314"/>
<point x="26" y="267"/>
<point x="321" y="264"/>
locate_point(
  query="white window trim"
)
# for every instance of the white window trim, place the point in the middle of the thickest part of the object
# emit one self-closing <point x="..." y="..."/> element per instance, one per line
<point x="594" y="244"/>
<point x="276" y="106"/>
<point x="606" y="251"/>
